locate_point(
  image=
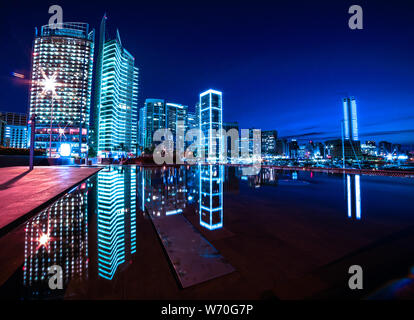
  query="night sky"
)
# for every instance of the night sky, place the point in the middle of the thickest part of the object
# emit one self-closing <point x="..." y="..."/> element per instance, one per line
<point x="281" y="65"/>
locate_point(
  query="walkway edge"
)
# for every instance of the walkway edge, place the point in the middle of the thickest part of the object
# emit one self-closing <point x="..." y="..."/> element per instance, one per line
<point x="15" y="223"/>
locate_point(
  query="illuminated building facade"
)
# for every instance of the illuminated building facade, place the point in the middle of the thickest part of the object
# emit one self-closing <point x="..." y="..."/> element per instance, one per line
<point x="57" y="236"/>
<point x="117" y="100"/>
<point x="152" y="118"/>
<point x="141" y="128"/>
<point x="60" y="90"/>
<point x="14" y="129"/>
<point x="269" y="138"/>
<point x="211" y="123"/>
<point x="369" y="148"/>
<point x="229" y="142"/>
<point x="282" y="147"/>
<point x="176" y="117"/>
<point x="166" y="198"/>
<point x="116" y="203"/>
<point x="293" y="147"/>
<point x="176" y="121"/>
<point x="211" y="196"/>
<point x="192" y="120"/>
<point x="350" y="119"/>
<point x="250" y="143"/>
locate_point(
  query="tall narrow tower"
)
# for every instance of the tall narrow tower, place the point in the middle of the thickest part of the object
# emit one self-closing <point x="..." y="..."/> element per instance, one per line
<point x="117" y="97"/>
<point x="350" y="119"/>
<point x="210" y="124"/>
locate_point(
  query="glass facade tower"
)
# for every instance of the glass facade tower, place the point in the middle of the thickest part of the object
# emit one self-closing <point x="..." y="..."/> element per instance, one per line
<point x="152" y="118"/>
<point x="350" y="119"/>
<point x="211" y="124"/>
<point x="117" y="98"/>
<point x="60" y="90"/>
<point x="176" y="113"/>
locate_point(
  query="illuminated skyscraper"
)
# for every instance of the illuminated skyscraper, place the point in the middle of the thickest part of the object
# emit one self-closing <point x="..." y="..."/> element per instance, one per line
<point x="176" y="114"/>
<point x="211" y="121"/>
<point x="152" y="118"/>
<point x="176" y="121"/>
<point x="117" y="100"/>
<point x="192" y="122"/>
<point x="165" y="197"/>
<point x="269" y="138"/>
<point x="350" y="119"/>
<point x="141" y="128"/>
<point x="231" y="144"/>
<point x="60" y="90"/>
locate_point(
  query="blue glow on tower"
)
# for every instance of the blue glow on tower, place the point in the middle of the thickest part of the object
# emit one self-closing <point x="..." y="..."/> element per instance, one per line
<point x="117" y="101"/>
<point x="211" y="196"/>
<point x="350" y="119"/>
<point x="210" y="121"/>
<point x="353" y="196"/>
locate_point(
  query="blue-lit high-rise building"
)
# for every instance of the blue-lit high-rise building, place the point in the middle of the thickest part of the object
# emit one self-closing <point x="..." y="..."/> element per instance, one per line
<point x="116" y="109"/>
<point x="350" y="119"/>
<point x="192" y="120"/>
<point x="152" y="118"/>
<point x="176" y="117"/>
<point x="211" y="124"/>
<point x="176" y="121"/>
<point x="60" y="92"/>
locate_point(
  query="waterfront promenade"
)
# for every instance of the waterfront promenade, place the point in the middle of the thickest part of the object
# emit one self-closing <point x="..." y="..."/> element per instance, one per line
<point x="23" y="192"/>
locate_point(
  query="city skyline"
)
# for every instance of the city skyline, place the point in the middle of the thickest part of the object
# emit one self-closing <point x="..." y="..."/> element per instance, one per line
<point x="298" y="120"/>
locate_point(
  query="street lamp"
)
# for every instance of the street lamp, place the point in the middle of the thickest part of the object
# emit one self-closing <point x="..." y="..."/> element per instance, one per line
<point x="49" y="87"/>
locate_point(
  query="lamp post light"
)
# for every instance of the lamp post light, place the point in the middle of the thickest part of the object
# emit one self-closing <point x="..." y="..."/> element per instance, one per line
<point x="49" y="86"/>
<point x="343" y="145"/>
<point x="32" y="136"/>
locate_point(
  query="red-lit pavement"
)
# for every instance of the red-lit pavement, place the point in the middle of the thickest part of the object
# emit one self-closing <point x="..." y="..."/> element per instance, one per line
<point x="23" y="191"/>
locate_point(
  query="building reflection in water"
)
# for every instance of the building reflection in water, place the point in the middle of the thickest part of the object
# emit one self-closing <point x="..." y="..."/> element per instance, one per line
<point x="116" y="206"/>
<point x="211" y="196"/>
<point x="353" y="192"/>
<point x="164" y="191"/>
<point x="57" y="236"/>
<point x="170" y="190"/>
<point x="266" y="177"/>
